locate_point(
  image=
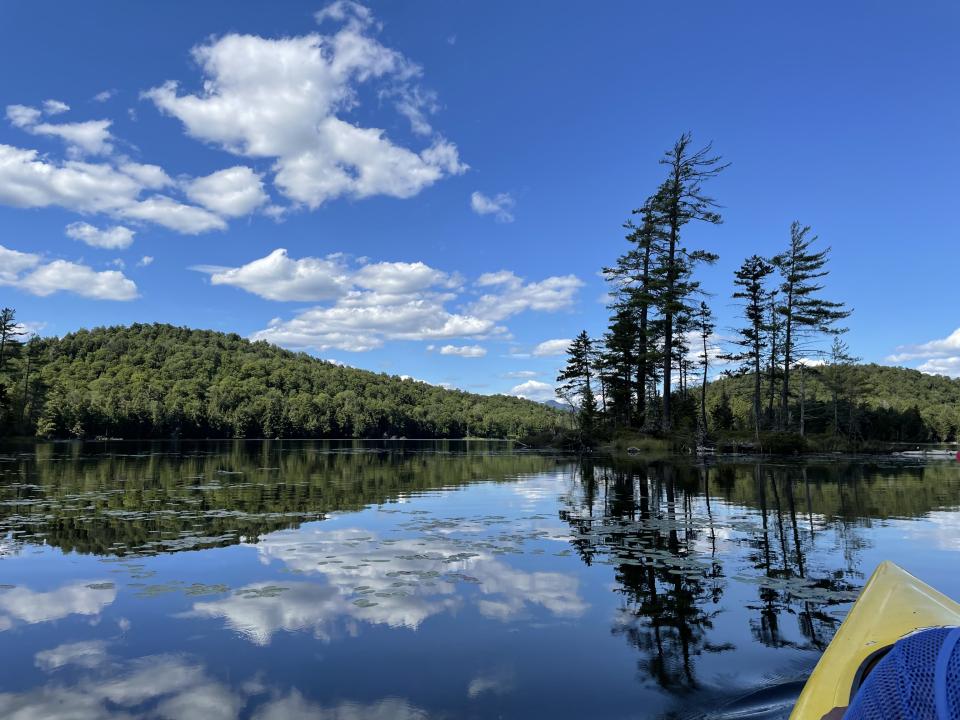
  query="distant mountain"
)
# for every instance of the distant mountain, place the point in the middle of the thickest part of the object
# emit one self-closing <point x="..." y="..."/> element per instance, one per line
<point x="557" y="405"/>
<point x="162" y="381"/>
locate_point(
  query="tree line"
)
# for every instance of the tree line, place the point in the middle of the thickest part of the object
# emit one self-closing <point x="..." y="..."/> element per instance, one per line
<point x="161" y="381"/>
<point x="650" y="369"/>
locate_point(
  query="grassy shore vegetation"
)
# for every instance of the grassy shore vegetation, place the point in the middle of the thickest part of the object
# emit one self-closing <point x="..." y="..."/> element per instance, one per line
<point x="160" y="381"/>
<point x="787" y="382"/>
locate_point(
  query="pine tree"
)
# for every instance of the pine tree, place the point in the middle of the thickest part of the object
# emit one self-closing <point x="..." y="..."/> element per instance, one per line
<point x="619" y="361"/>
<point x="679" y="200"/>
<point x="576" y="386"/>
<point x="9" y="332"/>
<point x="722" y="414"/>
<point x="631" y="347"/>
<point x="775" y="345"/>
<point x="705" y="328"/>
<point x="751" y="337"/>
<point x="836" y="376"/>
<point x="805" y="315"/>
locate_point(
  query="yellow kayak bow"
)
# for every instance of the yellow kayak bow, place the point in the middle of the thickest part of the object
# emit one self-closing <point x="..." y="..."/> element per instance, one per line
<point x="891" y="605"/>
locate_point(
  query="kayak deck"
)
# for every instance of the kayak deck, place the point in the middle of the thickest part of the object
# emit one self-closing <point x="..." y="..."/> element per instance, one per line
<point x="891" y="605"/>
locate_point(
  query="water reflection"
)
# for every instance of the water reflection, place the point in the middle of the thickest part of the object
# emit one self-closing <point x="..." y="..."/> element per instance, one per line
<point x="20" y="604"/>
<point x="679" y="534"/>
<point x="394" y="582"/>
<point x="269" y="580"/>
<point x="155" y="498"/>
<point x="177" y="687"/>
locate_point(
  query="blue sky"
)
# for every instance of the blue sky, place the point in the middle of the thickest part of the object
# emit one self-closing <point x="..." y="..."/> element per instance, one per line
<point x="446" y="179"/>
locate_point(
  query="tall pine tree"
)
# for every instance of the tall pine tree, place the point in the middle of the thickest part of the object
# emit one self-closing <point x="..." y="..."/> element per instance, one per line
<point x="751" y="337"/>
<point x="576" y="384"/>
<point x="679" y="200"/>
<point x="705" y="327"/>
<point x="805" y="314"/>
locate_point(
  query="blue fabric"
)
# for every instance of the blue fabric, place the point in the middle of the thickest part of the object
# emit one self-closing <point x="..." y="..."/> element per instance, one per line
<point x="941" y="678"/>
<point x="918" y="679"/>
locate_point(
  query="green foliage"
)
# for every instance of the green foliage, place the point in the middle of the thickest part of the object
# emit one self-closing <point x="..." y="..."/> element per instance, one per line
<point x="679" y="200"/>
<point x="721" y="413"/>
<point x="805" y="314"/>
<point x="147" y="381"/>
<point x="783" y="443"/>
<point x="873" y="402"/>
<point x="576" y="380"/>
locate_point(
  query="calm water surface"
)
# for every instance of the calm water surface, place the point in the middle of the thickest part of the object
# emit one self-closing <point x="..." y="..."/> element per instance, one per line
<point x="322" y="580"/>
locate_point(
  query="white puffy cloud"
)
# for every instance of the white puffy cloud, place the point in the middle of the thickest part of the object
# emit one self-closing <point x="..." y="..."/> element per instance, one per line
<point x="145" y="261"/>
<point x="29" y="272"/>
<point x="513" y="295"/>
<point x="151" y="177"/>
<point x="113" y="238"/>
<point x="55" y="107"/>
<point x="278" y="277"/>
<point x="949" y="366"/>
<point x="467" y="351"/>
<point x="534" y="390"/>
<point x="281" y="98"/>
<point x="61" y="275"/>
<point x="550" y="348"/>
<point x="169" y="213"/>
<point x="949" y="345"/>
<point x="28" y="180"/>
<point x="14" y="262"/>
<point x="940" y="357"/>
<point x="500" y="205"/>
<point x="104" y="95"/>
<point x="362" y="320"/>
<point x="374" y="302"/>
<point x="90" y="137"/>
<point x="231" y="192"/>
<point x="397" y="278"/>
<point x="23" y="116"/>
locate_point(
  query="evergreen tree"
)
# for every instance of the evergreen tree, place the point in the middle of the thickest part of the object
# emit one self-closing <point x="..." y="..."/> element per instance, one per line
<point x="618" y="364"/>
<point x="631" y="343"/>
<point x="837" y="375"/>
<point x="705" y="328"/>
<point x="749" y="280"/>
<point x="679" y="200"/>
<point x="576" y="383"/>
<point x="805" y="314"/>
<point x="722" y="414"/>
<point x="9" y="332"/>
<point x="775" y="345"/>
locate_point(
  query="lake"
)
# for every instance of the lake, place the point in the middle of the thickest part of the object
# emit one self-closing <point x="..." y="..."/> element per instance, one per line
<point x="344" y="580"/>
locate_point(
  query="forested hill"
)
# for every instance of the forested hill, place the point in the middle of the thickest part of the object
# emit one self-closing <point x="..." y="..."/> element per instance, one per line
<point x="869" y="401"/>
<point x="162" y="381"/>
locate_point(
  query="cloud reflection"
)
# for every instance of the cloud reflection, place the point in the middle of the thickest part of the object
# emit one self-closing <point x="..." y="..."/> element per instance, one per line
<point x="171" y="687"/>
<point x="79" y="598"/>
<point x="397" y="583"/>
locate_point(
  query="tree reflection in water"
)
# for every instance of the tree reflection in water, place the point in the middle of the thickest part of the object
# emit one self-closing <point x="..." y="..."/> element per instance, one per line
<point x="798" y="539"/>
<point x="670" y="594"/>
